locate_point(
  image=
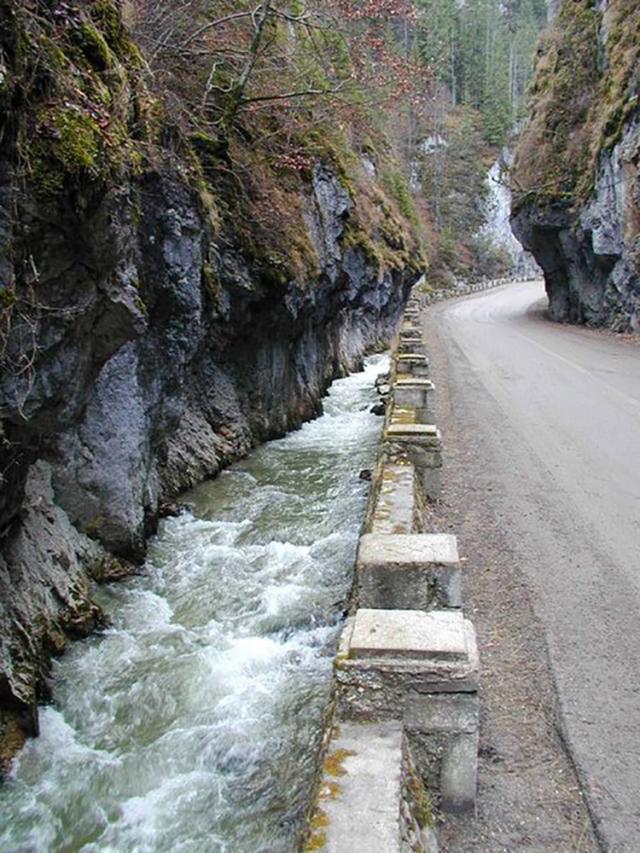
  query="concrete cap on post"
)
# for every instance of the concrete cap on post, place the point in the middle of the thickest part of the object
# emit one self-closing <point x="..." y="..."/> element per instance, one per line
<point x="427" y="434"/>
<point x="413" y="634"/>
<point x="412" y="345"/>
<point x="408" y="571"/>
<point x="421" y="443"/>
<point x="414" y="381"/>
<point x="415" y="391"/>
<point x="413" y="363"/>
<point x="409" y="328"/>
<point x="399" y="415"/>
<point x="387" y="655"/>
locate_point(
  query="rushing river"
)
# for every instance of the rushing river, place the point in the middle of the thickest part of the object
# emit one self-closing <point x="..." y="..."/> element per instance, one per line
<point x="192" y="723"/>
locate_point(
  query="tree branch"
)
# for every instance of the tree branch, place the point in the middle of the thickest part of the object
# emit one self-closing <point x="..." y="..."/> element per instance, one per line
<point x="301" y="94"/>
<point x="213" y="24"/>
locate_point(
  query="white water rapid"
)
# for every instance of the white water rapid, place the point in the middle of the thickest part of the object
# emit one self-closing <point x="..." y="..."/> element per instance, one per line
<point x="192" y="723"/>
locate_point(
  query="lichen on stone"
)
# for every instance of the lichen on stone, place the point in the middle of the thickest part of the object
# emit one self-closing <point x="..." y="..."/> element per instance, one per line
<point x="334" y="762"/>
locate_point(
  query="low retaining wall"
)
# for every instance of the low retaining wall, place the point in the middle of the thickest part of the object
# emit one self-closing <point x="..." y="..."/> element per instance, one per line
<point x="464" y="288"/>
<point x="403" y="739"/>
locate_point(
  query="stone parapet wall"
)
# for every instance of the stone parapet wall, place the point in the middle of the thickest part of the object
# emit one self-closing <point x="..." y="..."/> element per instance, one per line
<point x="407" y="662"/>
<point x="427" y="296"/>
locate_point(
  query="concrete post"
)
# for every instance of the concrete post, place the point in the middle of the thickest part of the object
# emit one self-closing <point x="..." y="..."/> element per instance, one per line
<point x="412" y="344"/>
<point x="408" y="571"/>
<point x="412" y="363"/>
<point x="443" y="731"/>
<point x="386" y="656"/>
<point x="415" y="392"/>
<point x="422" y="445"/>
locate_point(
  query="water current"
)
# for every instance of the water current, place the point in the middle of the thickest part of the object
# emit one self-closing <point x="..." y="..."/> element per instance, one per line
<point x="192" y="723"/>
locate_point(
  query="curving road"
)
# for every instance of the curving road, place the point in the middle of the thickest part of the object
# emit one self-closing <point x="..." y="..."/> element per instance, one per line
<point x="558" y="409"/>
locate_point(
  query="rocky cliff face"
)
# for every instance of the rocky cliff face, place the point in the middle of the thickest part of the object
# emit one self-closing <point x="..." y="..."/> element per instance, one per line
<point x="144" y="348"/>
<point x="497" y="212"/>
<point x="577" y="173"/>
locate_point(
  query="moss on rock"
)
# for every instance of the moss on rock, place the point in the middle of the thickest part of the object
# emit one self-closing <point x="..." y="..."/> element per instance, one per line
<point x="583" y="95"/>
<point x="68" y="146"/>
<point x="93" y="46"/>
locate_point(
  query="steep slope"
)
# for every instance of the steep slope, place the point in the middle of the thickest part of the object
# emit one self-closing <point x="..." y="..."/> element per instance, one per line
<point x="151" y="331"/>
<point x="577" y="172"/>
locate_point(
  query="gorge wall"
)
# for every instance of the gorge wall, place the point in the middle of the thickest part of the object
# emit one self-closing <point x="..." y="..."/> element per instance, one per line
<point x="577" y="172"/>
<point x="147" y="339"/>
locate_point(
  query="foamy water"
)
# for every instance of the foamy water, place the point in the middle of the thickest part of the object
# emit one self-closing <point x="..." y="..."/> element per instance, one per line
<point x="192" y="724"/>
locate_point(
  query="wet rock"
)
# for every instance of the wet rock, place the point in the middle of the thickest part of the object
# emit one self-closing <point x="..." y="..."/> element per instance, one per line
<point x="171" y="509"/>
<point x="45" y="595"/>
<point x="382" y="380"/>
<point x="109" y="569"/>
<point x="378" y="408"/>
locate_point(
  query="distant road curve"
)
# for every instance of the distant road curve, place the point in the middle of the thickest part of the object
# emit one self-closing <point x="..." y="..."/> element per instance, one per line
<point x="558" y="408"/>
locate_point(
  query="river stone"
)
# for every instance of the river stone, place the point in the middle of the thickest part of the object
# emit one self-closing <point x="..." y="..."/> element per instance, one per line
<point x="410" y="571"/>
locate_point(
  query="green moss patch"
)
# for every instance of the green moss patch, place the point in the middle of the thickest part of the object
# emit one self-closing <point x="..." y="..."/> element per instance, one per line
<point x="79" y="108"/>
<point x="68" y="146"/>
<point x="582" y="99"/>
<point x="93" y="46"/>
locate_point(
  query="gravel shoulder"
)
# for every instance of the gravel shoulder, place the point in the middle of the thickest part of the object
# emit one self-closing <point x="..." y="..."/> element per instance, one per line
<point x="529" y="795"/>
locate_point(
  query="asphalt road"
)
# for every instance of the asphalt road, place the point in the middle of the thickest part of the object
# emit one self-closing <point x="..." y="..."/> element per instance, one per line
<point x="558" y="410"/>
